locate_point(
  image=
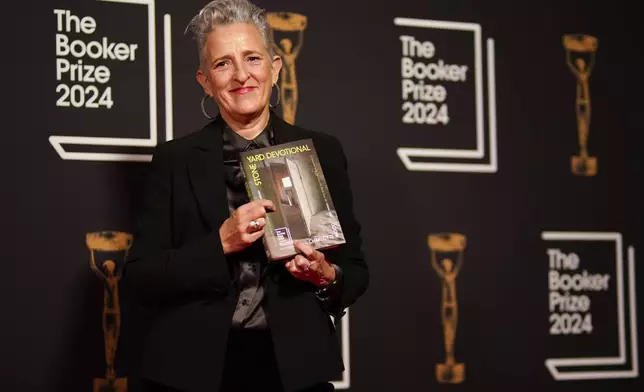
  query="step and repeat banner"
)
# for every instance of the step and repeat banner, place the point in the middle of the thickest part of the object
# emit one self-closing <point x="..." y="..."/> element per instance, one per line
<point x="495" y="162"/>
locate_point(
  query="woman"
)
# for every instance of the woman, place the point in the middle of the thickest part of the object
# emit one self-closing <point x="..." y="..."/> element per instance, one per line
<point x="227" y="319"/>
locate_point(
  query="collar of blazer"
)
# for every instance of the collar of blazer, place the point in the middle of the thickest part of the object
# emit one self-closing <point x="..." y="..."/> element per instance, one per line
<point x="210" y="138"/>
<point x="205" y="167"/>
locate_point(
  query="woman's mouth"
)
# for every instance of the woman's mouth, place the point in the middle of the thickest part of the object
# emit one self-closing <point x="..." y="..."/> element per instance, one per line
<point x="242" y="90"/>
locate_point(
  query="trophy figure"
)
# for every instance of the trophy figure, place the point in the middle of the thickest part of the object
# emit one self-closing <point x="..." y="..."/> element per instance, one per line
<point x="580" y="57"/>
<point x="442" y="247"/>
<point x="287" y="22"/>
<point x="104" y="246"/>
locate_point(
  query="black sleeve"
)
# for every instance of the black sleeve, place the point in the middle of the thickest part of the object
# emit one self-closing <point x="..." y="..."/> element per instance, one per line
<point x="158" y="270"/>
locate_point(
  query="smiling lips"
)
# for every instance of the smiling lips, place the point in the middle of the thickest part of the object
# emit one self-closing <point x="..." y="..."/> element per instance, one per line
<point x="243" y="90"/>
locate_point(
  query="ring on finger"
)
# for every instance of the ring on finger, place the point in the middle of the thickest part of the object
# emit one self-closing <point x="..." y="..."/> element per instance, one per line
<point x="254" y="224"/>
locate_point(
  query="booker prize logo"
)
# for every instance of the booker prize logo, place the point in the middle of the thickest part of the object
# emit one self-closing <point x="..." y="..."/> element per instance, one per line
<point x="442" y="120"/>
<point x="580" y="57"/>
<point x="591" y="295"/>
<point x="286" y="24"/>
<point x="446" y="251"/>
<point x="108" y="251"/>
<point x="100" y="86"/>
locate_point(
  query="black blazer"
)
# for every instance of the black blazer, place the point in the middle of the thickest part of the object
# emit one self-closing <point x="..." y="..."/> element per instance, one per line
<point x="177" y="266"/>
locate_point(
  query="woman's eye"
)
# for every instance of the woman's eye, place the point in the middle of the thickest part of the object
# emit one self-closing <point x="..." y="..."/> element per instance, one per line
<point x="254" y="59"/>
<point x="220" y="64"/>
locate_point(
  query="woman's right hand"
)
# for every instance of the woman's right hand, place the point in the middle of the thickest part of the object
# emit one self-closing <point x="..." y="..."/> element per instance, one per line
<point x="237" y="233"/>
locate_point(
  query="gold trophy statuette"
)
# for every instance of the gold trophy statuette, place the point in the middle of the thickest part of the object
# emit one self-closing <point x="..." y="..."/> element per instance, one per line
<point x="580" y="57"/>
<point x="441" y="247"/>
<point x="288" y="51"/>
<point x="109" y="271"/>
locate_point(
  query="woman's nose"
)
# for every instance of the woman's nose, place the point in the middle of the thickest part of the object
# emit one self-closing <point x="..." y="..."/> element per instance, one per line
<point x="241" y="74"/>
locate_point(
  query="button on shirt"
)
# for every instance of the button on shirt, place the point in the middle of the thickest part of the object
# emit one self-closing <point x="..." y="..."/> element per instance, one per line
<point x="250" y="262"/>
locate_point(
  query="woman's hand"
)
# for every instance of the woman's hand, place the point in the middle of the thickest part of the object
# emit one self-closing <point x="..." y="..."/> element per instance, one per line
<point x="311" y="267"/>
<point x="244" y="226"/>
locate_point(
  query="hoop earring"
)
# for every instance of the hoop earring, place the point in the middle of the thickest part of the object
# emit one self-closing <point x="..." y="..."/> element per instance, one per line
<point x="279" y="96"/>
<point x="203" y="108"/>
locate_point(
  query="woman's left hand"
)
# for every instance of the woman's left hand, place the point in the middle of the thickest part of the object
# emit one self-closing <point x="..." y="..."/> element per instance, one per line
<point x="311" y="267"/>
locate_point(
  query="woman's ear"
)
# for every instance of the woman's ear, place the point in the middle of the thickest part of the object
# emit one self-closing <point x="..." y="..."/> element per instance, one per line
<point x="203" y="81"/>
<point x="277" y="67"/>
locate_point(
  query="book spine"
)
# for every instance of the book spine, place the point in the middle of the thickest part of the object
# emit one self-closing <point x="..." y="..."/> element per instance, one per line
<point x="251" y="197"/>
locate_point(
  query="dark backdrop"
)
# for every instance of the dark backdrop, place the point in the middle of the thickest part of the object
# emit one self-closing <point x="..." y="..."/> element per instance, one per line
<point x="349" y="73"/>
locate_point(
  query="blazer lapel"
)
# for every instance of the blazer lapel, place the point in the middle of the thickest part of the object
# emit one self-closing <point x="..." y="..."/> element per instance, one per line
<point x="205" y="170"/>
<point x="284" y="132"/>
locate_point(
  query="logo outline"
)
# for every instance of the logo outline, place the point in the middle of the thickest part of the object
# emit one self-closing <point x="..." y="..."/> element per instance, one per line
<point x="406" y="153"/>
<point x="552" y="363"/>
<point x="57" y="141"/>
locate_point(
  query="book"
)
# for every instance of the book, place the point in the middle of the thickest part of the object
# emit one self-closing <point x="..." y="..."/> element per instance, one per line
<point x="290" y="175"/>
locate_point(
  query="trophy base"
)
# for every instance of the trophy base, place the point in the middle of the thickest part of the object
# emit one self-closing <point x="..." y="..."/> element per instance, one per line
<point x="583" y="166"/>
<point x="450" y="373"/>
<point x="110" y="385"/>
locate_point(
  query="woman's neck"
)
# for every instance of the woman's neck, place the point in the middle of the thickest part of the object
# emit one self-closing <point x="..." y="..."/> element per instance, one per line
<point x="247" y="127"/>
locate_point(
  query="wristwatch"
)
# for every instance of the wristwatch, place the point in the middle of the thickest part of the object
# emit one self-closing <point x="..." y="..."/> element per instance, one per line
<point x="338" y="277"/>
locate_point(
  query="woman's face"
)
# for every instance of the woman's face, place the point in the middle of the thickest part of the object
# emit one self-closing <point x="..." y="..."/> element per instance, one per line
<point x="238" y="72"/>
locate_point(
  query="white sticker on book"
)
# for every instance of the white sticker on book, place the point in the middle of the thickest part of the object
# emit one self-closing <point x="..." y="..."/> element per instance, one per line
<point x="286" y="181"/>
<point x="283" y="236"/>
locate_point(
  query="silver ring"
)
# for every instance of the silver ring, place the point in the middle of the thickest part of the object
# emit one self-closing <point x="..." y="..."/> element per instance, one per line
<point x="254" y="224"/>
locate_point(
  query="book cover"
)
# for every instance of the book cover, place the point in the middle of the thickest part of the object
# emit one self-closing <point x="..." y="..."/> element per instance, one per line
<point x="291" y="177"/>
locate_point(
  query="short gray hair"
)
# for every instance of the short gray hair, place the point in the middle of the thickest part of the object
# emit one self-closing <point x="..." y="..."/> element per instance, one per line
<point x="225" y="12"/>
